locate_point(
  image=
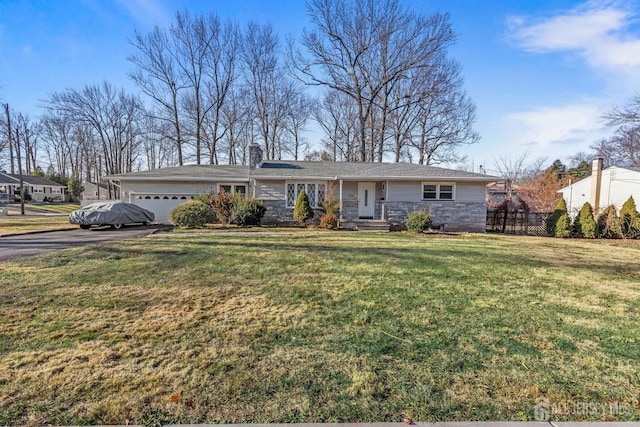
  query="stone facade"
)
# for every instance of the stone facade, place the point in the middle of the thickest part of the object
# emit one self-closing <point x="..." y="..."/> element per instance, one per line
<point x="277" y="212"/>
<point x="451" y="215"/>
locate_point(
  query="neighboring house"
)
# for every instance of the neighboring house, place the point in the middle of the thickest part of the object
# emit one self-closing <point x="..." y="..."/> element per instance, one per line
<point x="611" y="186"/>
<point x="93" y="192"/>
<point x="499" y="191"/>
<point x="6" y="188"/>
<point x="385" y="192"/>
<point x="37" y="186"/>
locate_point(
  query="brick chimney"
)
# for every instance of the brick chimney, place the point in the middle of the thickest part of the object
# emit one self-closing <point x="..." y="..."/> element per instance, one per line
<point x="255" y="155"/>
<point x="596" y="184"/>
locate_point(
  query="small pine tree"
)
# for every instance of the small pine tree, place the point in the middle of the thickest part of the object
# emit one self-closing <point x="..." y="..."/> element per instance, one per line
<point x="609" y="226"/>
<point x="330" y="204"/>
<point x="302" y="210"/>
<point x="628" y="214"/>
<point x="563" y="226"/>
<point x="585" y="224"/>
<point x="561" y="208"/>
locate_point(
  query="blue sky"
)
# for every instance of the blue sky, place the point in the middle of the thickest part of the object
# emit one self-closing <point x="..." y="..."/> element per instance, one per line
<point x="540" y="72"/>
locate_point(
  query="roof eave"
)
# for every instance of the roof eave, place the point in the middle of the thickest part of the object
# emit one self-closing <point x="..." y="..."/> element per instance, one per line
<point x="175" y="178"/>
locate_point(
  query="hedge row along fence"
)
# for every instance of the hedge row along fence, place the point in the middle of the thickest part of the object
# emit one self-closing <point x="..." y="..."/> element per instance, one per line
<point x="607" y="225"/>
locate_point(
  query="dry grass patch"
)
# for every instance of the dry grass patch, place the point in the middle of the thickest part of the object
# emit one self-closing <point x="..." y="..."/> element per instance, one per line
<point x="24" y="224"/>
<point x="318" y="327"/>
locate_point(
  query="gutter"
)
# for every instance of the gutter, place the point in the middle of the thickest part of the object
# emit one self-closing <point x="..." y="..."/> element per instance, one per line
<point x="376" y="178"/>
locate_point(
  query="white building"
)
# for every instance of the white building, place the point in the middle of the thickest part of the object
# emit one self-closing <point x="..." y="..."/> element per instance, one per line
<point x="611" y="186"/>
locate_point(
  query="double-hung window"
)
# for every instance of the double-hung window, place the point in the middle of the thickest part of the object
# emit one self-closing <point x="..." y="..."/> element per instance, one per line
<point x="315" y="191"/>
<point x="438" y="191"/>
<point x="233" y="188"/>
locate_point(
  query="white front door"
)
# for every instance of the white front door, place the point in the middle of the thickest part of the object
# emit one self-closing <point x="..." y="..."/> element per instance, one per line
<point x="366" y="198"/>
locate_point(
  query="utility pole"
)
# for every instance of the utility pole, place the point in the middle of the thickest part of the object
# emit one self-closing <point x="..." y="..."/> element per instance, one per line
<point x="10" y="136"/>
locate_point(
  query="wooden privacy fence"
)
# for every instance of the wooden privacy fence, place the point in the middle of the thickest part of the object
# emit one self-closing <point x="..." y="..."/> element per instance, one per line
<point x="518" y="221"/>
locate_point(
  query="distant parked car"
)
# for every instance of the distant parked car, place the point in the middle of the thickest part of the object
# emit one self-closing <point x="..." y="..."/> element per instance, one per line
<point x="115" y="214"/>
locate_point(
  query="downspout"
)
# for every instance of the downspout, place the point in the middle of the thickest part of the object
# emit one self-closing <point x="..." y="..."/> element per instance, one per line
<point x="596" y="183"/>
<point x="571" y="198"/>
<point x="116" y="185"/>
<point x="341" y="181"/>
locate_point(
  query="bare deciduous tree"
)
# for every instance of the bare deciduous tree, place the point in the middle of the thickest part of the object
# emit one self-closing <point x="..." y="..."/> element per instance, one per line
<point x="272" y="91"/>
<point x="157" y="76"/>
<point x="337" y="116"/>
<point x="623" y="148"/>
<point x="364" y="49"/>
<point x="110" y="113"/>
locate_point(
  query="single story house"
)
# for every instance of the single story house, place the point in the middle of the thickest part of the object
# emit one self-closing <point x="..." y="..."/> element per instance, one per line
<point x="605" y="187"/>
<point x="37" y="186"/>
<point x="93" y="192"/>
<point x="385" y="192"/>
<point x="499" y="191"/>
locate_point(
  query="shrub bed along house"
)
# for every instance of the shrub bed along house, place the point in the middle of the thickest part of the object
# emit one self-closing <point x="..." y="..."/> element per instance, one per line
<point x="191" y="214"/>
<point x="207" y="209"/>
<point x="302" y="211"/>
<point x="418" y="221"/>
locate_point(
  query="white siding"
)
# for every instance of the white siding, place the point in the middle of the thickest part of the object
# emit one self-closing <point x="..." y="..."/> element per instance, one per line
<point x="270" y="190"/>
<point x="617" y="185"/>
<point x="403" y="191"/>
<point x="167" y="187"/>
<point x="349" y="190"/>
<point x="407" y="191"/>
<point x="161" y="197"/>
<point x="470" y="191"/>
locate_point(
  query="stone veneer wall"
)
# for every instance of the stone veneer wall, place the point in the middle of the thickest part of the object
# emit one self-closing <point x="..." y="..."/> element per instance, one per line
<point x="455" y="216"/>
<point x="278" y="212"/>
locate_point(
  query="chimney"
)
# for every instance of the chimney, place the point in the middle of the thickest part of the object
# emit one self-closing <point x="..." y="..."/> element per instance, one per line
<point x="255" y="156"/>
<point x="596" y="184"/>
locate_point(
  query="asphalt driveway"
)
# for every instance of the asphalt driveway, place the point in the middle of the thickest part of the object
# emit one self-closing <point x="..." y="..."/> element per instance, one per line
<point x="33" y="244"/>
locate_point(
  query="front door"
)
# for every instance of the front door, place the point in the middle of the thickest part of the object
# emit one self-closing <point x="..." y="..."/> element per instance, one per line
<point x="366" y="197"/>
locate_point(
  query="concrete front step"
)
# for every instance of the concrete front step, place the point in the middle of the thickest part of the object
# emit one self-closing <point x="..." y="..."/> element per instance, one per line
<point x="365" y="225"/>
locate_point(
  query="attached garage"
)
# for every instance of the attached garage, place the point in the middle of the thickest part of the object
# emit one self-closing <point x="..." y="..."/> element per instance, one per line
<point x="160" y="205"/>
<point x="162" y="190"/>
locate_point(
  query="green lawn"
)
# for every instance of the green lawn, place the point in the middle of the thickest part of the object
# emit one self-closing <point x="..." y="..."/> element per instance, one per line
<point x="23" y="224"/>
<point x="320" y="326"/>
<point x="64" y="208"/>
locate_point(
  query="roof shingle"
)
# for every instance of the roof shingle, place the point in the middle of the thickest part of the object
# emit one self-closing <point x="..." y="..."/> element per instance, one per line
<point x="285" y="169"/>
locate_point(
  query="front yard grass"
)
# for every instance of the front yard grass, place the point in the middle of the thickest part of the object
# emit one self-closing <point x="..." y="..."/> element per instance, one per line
<point x="63" y="208"/>
<point x="23" y="224"/>
<point x="321" y="327"/>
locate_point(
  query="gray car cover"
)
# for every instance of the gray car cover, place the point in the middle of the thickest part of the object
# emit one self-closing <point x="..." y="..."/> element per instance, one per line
<point x="110" y="213"/>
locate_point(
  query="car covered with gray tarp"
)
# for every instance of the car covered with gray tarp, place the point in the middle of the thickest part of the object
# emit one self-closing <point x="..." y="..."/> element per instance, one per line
<point x="115" y="214"/>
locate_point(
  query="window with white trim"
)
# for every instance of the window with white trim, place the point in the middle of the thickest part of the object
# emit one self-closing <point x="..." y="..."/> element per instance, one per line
<point x="315" y="191"/>
<point x="233" y="188"/>
<point x="438" y="191"/>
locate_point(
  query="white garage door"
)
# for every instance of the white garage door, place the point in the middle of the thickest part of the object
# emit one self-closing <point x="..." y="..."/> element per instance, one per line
<point x="160" y="205"/>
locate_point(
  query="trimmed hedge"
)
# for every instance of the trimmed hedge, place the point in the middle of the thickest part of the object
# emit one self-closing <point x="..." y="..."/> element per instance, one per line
<point x="609" y="226"/>
<point x="191" y="214"/>
<point x="247" y="212"/>
<point x="585" y="224"/>
<point x="629" y="219"/>
<point x="561" y="208"/>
